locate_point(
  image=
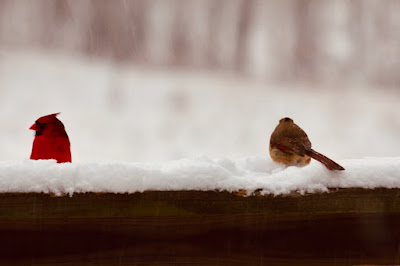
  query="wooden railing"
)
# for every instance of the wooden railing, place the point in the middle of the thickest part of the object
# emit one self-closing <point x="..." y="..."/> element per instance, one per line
<point x="342" y="227"/>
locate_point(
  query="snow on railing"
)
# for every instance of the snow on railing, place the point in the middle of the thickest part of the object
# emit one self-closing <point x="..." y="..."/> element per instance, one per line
<point x="204" y="174"/>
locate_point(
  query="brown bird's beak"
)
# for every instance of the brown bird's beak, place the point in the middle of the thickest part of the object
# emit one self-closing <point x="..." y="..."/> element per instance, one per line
<point x="34" y="127"/>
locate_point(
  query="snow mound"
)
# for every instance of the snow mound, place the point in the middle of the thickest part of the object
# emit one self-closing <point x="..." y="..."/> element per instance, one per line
<point x="251" y="173"/>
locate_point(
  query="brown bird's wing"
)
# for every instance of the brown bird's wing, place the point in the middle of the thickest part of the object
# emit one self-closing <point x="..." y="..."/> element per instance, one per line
<point x="298" y="146"/>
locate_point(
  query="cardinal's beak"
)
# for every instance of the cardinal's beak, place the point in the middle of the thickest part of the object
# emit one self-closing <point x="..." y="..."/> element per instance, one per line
<point x="34" y="127"/>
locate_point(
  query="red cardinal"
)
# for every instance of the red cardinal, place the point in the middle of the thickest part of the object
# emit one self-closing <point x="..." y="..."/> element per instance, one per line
<point x="290" y="145"/>
<point x="51" y="140"/>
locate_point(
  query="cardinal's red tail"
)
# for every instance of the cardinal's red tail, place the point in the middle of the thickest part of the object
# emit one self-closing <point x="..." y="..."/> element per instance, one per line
<point x="331" y="165"/>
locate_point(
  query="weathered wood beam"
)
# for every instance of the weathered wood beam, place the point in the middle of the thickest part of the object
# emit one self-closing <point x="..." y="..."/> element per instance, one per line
<point x="349" y="226"/>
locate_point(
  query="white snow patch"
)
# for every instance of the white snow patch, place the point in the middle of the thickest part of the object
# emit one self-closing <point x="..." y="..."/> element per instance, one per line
<point x="204" y="174"/>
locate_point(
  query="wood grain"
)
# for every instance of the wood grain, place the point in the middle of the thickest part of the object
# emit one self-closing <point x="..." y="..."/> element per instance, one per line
<point x="342" y="227"/>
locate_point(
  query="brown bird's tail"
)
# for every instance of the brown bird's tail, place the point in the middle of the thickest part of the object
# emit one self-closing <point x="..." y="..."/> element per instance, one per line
<point x="331" y="165"/>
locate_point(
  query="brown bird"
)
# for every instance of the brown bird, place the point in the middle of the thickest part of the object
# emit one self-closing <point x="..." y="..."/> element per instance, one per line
<point x="290" y="145"/>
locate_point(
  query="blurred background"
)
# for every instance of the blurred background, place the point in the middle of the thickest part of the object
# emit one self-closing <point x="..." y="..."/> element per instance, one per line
<point x="156" y="80"/>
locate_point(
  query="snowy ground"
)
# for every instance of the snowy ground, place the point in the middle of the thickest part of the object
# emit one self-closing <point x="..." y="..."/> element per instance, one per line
<point x="251" y="173"/>
<point x="126" y="113"/>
